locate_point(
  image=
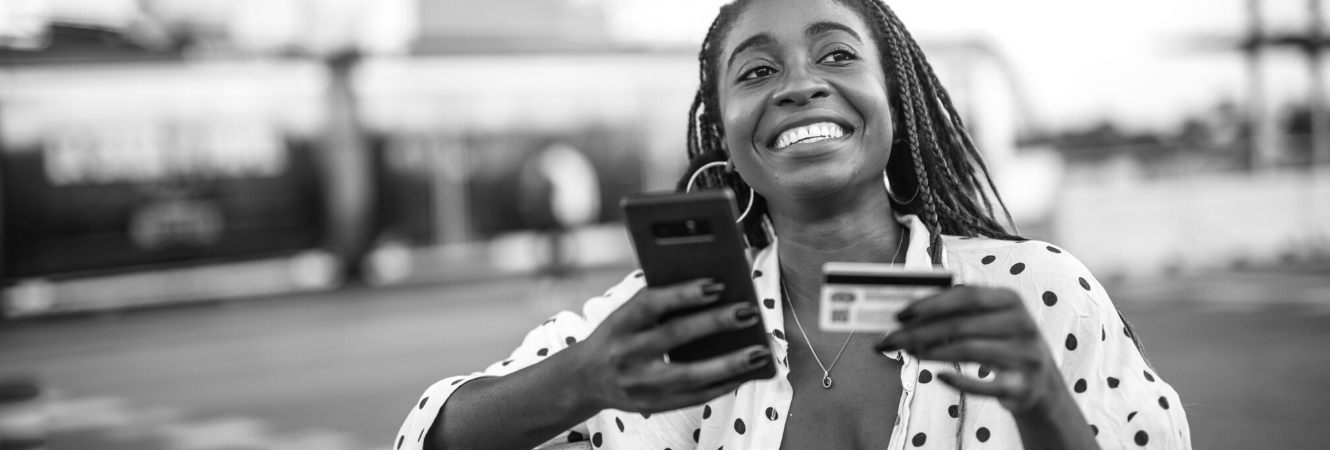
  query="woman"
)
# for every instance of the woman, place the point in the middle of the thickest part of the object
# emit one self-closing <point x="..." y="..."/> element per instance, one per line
<point x="809" y="101"/>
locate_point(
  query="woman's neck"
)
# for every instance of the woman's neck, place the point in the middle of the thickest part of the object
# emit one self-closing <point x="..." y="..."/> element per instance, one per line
<point x="859" y="229"/>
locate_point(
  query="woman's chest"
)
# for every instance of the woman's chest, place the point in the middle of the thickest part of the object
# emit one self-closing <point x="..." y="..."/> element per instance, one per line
<point x="858" y="411"/>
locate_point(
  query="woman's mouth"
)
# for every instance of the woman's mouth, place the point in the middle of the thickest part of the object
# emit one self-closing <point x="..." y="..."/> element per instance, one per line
<point x="809" y="133"/>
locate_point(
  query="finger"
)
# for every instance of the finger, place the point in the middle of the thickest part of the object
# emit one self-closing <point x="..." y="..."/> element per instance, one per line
<point x="991" y="325"/>
<point x="958" y="301"/>
<point x="1002" y="353"/>
<point x="682" y="377"/>
<point x="699" y="397"/>
<point x="975" y="386"/>
<point x="646" y="308"/>
<point x="682" y="330"/>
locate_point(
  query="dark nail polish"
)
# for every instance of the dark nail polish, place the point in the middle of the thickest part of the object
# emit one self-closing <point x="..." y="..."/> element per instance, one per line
<point x="712" y="288"/>
<point x="745" y="313"/>
<point x="905" y="316"/>
<point x="759" y="357"/>
<point x="887" y="346"/>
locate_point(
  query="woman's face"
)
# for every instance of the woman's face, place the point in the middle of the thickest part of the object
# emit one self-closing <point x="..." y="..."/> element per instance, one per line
<point x="803" y="100"/>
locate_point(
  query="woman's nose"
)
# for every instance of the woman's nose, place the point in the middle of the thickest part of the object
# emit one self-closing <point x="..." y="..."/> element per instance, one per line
<point x="800" y="87"/>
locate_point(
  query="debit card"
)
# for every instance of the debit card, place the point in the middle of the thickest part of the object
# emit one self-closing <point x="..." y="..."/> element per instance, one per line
<point x="866" y="297"/>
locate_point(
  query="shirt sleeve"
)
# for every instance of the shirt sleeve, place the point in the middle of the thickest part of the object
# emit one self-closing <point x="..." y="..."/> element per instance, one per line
<point x="551" y="336"/>
<point x="1125" y="401"/>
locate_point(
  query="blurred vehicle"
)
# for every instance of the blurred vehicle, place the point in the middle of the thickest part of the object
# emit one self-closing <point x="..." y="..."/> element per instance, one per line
<point x="175" y="150"/>
<point x="123" y="169"/>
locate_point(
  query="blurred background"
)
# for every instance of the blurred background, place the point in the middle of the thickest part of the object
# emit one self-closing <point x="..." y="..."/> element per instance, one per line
<point x="270" y="224"/>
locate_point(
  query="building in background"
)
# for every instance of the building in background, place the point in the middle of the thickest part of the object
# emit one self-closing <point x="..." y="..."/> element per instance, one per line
<point x="161" y="151"/>
<point x="171" y="150"/>
<point x="167" y="150"/>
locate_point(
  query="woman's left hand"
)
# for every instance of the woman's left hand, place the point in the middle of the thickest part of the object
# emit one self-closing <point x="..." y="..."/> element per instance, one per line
<point x="990" y="327"/>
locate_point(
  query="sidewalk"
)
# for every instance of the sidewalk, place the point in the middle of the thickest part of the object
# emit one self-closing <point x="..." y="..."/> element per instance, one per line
<point x="1301" y="286"/>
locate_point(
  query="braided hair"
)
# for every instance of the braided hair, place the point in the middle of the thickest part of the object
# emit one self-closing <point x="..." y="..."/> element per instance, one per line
<point x="936" y="153"/>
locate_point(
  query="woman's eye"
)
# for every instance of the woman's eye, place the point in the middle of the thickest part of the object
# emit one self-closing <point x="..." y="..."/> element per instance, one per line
<point x="757" y="72"/>
<point x="839" y="56"/>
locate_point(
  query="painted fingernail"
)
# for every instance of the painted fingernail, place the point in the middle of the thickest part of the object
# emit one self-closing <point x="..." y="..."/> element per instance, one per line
<point x="905" y="316"/>
<point x="887" y="346"/>
<point x="759" y="357"/>
<point x="712" y="288"/>
<point x="745" y="313"/>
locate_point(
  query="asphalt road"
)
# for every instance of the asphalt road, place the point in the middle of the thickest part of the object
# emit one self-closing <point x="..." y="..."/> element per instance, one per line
<point x="1246" y="352"/>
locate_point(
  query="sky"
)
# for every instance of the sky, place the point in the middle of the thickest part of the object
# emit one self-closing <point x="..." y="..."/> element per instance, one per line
<point x="1133" y="62"/>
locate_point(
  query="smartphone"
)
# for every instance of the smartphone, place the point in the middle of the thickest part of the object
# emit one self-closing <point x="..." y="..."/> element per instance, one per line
<point x="686" y="236"/>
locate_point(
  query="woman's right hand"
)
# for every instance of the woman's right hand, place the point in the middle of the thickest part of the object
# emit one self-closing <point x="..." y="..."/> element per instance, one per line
<point x="623" y="363"/>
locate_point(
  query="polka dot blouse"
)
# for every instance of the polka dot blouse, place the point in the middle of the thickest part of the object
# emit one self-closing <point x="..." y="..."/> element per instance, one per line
<point x="1126" y="404"/>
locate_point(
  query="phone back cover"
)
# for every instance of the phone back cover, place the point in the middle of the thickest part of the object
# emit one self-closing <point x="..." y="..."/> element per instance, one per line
<point x="722" y="258"/>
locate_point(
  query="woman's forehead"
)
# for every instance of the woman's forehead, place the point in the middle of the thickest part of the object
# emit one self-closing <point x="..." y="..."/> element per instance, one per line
<point x="788" y="21"/>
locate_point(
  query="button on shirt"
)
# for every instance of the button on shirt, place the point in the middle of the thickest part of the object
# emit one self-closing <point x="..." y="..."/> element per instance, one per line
<point x="1126" y="404"/>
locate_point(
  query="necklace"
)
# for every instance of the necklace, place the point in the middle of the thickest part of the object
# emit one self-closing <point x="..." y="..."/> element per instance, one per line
<point x="826" y="370"/>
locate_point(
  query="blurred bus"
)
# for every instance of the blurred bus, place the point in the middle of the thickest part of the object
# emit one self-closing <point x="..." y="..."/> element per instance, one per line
<point x="132" y="184"/>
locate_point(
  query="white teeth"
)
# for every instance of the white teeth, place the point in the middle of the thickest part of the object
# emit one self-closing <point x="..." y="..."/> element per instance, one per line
<point x="809" y="133"/>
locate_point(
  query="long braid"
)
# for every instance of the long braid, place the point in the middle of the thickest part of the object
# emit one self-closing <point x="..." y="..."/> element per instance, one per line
<point x="933" y="125"/>
<point x="693" y="151"/>
<point x="911" y="108"/>
<point x="957" y="128"/>
<point x="970" y="148"/>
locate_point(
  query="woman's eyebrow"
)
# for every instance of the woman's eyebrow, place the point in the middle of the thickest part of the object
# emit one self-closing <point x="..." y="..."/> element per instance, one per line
<point x="757" y="40"/>
<point x="826" y="27"/>
<point x="762" y="39"/>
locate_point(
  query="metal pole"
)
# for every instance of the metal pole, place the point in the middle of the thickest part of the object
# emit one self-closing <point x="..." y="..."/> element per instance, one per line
<point x="3" y="214"/>
<point x="1320" y="125"/>
<point x="1264" y="149"/>
<point x="348" y="181"/>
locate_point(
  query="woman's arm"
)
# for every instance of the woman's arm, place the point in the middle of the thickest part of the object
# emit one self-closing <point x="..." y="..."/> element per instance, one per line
<point x="1055" y="423"/>
<point x="1051" y="328"/>
<point x="520" y="410"/>
<point x="620" y="366"/>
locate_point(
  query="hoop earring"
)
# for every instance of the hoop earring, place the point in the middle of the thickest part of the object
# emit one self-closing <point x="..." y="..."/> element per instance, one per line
<point x="892" y="195"/>
<point x="729" y="168"/>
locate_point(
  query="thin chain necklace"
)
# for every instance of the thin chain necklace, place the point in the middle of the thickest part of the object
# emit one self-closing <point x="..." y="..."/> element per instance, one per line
<point x="826" y="370"/>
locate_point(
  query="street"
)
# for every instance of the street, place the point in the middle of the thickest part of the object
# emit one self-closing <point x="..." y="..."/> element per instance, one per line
<point x="1246" y="351"/>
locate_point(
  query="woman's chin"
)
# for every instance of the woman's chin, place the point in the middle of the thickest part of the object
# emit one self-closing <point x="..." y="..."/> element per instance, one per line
<point x="813" y="187"/>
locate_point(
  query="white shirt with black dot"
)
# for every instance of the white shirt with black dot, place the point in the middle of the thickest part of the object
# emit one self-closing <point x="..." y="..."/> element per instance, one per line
<point x="1126" y="404"/>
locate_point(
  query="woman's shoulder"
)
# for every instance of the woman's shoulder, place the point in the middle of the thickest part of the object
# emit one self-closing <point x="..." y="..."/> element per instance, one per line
<point x="986" y="252"/>
<point x="1025" y="264"/>
<point x="963" y="243"/>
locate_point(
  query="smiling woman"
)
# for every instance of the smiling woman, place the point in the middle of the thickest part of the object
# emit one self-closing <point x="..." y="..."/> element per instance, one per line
<point x="875" y="79"/>
<point x="827" y="112"/>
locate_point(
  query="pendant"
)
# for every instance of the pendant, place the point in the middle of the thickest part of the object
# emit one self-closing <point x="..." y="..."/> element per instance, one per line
<point x="826" y="381"/>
